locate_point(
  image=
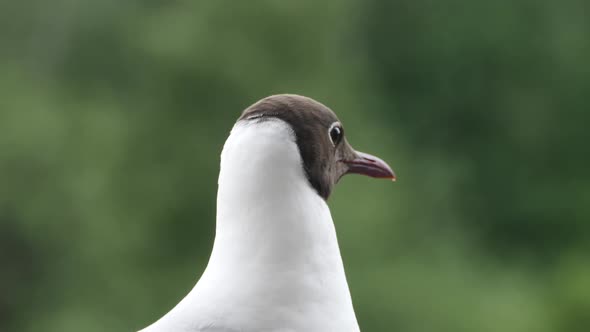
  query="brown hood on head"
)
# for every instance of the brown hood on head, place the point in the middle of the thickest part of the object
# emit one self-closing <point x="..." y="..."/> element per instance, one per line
<point x="324" y="150"/>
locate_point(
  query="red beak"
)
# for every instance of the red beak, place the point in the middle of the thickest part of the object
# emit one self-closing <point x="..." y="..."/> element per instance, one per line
<point x="369" y="165"/>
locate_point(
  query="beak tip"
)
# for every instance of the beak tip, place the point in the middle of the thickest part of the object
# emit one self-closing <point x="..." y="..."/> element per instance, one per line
<point x="370" y="165"/>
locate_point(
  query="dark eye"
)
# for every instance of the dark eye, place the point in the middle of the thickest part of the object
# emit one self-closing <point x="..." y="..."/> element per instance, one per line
<point x="336" y="134"/>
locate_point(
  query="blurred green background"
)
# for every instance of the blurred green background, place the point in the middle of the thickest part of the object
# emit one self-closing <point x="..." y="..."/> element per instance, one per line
<point x="113" y="115"/>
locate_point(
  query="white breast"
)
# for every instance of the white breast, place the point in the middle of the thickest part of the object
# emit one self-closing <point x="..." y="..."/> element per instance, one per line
<point x="275" y="264"/>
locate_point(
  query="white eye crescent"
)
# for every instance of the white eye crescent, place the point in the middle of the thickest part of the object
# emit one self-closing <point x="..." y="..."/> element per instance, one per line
<point x="336" y="133"/>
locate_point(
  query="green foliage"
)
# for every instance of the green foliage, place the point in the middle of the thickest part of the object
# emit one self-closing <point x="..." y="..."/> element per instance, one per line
<point x="112" y="115"/>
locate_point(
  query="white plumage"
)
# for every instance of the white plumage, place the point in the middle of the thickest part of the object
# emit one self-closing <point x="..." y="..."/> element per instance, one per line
<point x="275" y="264"/>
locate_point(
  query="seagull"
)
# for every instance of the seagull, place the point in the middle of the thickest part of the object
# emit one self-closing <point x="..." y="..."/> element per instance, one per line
<point x="275" y="263"/>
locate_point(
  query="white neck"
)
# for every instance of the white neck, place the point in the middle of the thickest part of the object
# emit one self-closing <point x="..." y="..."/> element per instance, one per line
<point x="275" y="263"/>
